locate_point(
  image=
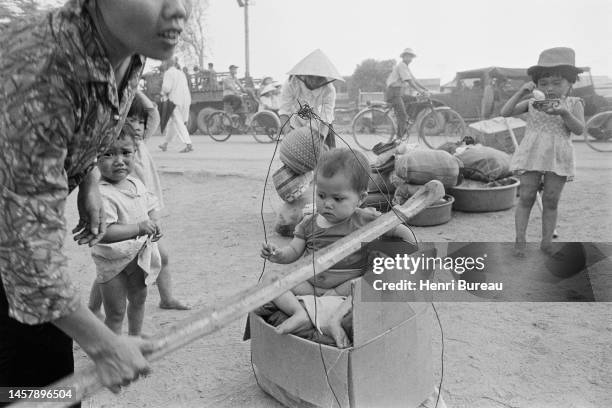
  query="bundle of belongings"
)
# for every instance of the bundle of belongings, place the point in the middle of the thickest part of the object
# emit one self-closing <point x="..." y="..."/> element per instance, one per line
<point x="298" y="152"/>
<point x="399" y="170"/>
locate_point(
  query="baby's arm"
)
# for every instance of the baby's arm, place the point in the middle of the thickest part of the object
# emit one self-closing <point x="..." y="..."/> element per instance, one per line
<point x="154" y="216"/>
<point x="513" y="107"/>
<point x="285" y="255"/>
<point x="122" y="232"/>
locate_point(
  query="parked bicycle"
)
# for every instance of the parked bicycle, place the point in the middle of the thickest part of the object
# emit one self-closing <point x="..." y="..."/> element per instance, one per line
<point x="437" y="125"/>
<point x="264" y="125"/>
<point x="598" y="132"/>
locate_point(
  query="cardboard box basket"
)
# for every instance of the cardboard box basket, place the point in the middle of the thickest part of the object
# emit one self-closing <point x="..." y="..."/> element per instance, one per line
<point x="389" y="365"/>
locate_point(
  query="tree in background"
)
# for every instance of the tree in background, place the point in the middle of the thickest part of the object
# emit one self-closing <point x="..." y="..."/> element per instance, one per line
<point x="12" y="9"/>
<point x="369" y="76"/>
<point x="192" y="46"/>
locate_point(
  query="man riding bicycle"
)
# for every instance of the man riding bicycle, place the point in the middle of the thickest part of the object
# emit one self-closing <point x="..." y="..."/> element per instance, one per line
<point x="232" y="93"/>
<point x="400" y="86"/>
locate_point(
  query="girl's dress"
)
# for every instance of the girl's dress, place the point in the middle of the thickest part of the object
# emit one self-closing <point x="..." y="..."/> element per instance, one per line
<point x="547" y="145"/>
<point x="126" y="207"/>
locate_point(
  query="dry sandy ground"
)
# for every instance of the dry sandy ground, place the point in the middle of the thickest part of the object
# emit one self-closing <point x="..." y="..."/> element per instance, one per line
<point x="495" y="355"/>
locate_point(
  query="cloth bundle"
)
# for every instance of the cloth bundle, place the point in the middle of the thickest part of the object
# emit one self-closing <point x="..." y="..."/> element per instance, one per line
<point x="300" y="149"/>
<point x="420" y="166"/>
<point x="290" y="185"/>
<point x="484" y="163"/>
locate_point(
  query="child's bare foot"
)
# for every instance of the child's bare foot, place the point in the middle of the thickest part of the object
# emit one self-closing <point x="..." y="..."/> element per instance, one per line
<point x="298" y="321"/>
<point x="335" y="330"/>
<point x="519" y="249"/>
<point x="174" y="304"/>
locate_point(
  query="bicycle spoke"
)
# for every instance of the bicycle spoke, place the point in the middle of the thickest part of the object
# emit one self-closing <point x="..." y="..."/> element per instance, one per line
<point x="442" y="126"/>
<point x="372" y="126"/>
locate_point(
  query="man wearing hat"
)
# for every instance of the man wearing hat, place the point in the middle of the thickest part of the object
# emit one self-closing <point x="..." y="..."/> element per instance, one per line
<point x="233" y="90"/>
<point x="310" y="82"/>
<point x="400" y="84"/>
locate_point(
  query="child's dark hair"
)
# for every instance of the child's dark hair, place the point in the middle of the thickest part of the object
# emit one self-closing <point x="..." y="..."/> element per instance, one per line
<point x="137" y="110"/>
<point x="352" y="163"/>
<point x="128" y="133"/>
<point x="565" y="71"/>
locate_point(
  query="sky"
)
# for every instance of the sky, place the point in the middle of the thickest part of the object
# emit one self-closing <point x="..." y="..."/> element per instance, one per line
<point x="447" y="35"/>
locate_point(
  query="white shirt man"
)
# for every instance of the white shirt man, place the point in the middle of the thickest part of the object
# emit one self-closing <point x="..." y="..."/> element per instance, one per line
<point x="176" y="89"/>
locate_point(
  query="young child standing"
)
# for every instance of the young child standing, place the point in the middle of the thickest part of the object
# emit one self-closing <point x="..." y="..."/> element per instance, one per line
<point x="546" y="155"/>
<point x="341" y="180"/>
<point x="127" y="257"/>
<point x="143" y="117"/>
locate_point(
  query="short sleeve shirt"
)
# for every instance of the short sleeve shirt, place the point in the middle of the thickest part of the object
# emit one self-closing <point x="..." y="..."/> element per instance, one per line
<point x="317" y="237"/>
<point x="400" y="74"/>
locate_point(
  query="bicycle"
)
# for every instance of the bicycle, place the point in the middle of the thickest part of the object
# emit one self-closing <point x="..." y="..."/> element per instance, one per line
<point x="264" y="126"/>
<point x="598" y="132"/>
<point x="437" y="125"/>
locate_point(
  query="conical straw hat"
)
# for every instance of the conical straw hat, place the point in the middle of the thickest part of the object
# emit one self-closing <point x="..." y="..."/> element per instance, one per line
<point x="316" y="63"/>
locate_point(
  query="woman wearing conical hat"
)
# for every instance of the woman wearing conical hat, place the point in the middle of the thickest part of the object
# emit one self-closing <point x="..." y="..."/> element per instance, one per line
<point x="310" y="82"/>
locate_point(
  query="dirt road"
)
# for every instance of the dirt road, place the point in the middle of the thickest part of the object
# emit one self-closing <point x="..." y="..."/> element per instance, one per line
<point x="496" y="354"/>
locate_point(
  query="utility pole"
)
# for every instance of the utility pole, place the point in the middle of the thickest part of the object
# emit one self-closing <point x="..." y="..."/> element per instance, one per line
<point x="245" y="4"/>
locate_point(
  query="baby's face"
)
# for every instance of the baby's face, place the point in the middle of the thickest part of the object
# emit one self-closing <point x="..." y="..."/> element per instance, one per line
<point x="118" y="161"/>
<point x="335" y="198"/>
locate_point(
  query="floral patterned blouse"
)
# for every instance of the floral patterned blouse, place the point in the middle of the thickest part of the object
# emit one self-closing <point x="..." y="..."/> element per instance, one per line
<point x="59" y="107"/>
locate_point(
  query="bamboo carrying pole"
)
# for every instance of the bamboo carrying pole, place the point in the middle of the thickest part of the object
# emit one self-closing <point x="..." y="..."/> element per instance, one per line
<point x="202" y="323"/>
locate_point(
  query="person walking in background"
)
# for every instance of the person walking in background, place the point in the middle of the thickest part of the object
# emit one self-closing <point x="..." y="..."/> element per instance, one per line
<point x="400" y="84"/>
<point x="546" y="154"/>
<point x="211" y="78"/>
<point x="67" y="80"/>
<point x="187" y="76"/>
<point x="176" y="90"/>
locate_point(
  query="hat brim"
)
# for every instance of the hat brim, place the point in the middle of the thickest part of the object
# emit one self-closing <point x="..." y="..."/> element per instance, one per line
<point x="531" y="71"/>
<point x="408" y="53"/>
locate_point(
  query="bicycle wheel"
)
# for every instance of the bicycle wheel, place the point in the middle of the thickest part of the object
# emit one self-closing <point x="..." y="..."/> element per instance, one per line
<point x="219" y="126"/>
<point x="265" y="127"/>
<point x="372" y="126"/>
<point x="440" y="126"/>
<point x="598" y="132"/>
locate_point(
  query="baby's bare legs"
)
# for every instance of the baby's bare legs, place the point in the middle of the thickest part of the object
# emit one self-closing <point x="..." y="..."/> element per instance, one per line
<point x="95" y="300"/>
<point x="136" y="295"/>
<point x="288" y="303"/>
<point x="114" y="295"/>
<point x="334" y="328"/>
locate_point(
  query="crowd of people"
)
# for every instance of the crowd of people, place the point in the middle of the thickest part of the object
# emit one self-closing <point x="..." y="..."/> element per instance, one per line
<point x="75" y="119"/>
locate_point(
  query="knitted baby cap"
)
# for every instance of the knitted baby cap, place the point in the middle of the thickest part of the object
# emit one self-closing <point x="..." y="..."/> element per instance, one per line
<point x="300" y="149"/>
